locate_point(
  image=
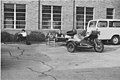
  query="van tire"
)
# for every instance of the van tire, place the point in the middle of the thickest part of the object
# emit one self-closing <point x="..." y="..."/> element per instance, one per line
<point x="115" y="40"/>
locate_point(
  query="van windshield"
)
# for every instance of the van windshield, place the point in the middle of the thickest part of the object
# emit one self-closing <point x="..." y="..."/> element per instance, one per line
<point x="92" y="24"/>
<point x="114" y="24"/>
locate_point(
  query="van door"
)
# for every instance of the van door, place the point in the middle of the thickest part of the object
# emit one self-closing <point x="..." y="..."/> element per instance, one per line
<point x="102" y="26"/>
<point x="114" y="28"/>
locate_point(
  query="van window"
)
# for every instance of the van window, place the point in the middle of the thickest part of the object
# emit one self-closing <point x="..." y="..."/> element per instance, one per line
<point x="114" y="24"/>
<point x="102" y="24"/>
<point x="92" y="24"/>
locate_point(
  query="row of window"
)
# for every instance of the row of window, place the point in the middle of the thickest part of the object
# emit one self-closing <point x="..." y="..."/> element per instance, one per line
<point x="104" y="24"/>
<point x="15" y="16"/>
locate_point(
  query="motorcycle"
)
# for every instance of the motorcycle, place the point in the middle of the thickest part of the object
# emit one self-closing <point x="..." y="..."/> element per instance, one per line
<point x="88" y="42"/>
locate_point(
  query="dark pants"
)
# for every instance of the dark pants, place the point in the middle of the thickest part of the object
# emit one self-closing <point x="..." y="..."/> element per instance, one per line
<point x="21" y="38"/>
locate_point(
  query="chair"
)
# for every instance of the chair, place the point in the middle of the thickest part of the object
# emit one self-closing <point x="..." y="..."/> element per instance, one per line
<point x="50" y="39"/>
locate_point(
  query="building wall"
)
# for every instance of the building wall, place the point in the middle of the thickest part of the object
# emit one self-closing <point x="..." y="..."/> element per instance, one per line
<point x="67" y="11"/>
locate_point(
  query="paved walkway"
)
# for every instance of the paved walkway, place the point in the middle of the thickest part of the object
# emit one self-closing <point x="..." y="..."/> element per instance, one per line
<point x="41" y="62"/>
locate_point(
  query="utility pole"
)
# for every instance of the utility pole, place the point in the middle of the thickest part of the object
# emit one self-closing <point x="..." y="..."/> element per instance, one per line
<point x="73" y="14"/>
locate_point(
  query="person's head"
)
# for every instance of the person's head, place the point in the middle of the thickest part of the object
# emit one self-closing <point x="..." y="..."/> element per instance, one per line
<point x="23" y="30"/>
<point x="60" y="31"/>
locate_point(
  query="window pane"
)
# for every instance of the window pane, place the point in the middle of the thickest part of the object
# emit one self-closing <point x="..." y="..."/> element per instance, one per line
<point x="46" y="27"/>
<point x="44" y="7"/>
<point x="46" y="23"/>
<point x="56" y="27"/>
<point x="8" y="15"/>
<point x="46" y="11"/>
<point x="92" y="24"/>
<point x="8" y="26"/>
<point x="8" y="7"/>
<point x="56" y="23"/>
<point x="109" y="14"/>
<point x="20" y="18"/>
<point x="109" y="17"/>
<point x="20" y="14"/>
<point x="80" y="24"/>
<point x="80" y="10"/>
<point x="79" y="17"/>
<point x="56" y="9"/>
<point x="89" y="14"/>
<point x="20" y="26"/>
<point x="9" y="22"/>
<point x="114" y="24"/>
<point x="56" y="17"/>
<point x="102" y="24"/>
<point x="20" y="22"/>
<point x="46" y="17"/>
<point x="20" y="8"/>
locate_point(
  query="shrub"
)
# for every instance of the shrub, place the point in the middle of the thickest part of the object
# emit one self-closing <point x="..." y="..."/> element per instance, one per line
<point x="36" y="36"/>
<point x="6" y="37"/>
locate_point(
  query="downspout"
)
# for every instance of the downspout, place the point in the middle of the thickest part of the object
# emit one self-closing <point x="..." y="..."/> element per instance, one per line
<point x="38" y="14"/>
<point x="73" y="14"/>
<point x="1" y="14"/>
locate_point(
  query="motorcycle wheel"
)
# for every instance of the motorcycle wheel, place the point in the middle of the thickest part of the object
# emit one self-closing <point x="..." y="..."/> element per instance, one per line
<point x="99" y="47"/>
<point x="71" y="47"/>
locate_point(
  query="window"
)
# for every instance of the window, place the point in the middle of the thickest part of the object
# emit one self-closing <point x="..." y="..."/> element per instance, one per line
<point x="102" y="24"/>
<point x="80" y="18"/>
<point x="109" y="14"/>
<point x="89" y="14"/>
<point x="92" y="24"/>
<point x="14" y="16"/>
<point x="83" y="15"/>
<point x="51" y="17"/>
<point x="114" y="24"/>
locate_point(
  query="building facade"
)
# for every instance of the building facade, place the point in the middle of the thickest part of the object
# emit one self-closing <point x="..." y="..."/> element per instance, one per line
<point x="45" y="15"/>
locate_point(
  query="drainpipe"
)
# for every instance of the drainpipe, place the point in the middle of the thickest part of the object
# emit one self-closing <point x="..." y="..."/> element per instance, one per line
<point x="73" y="14"/>
<point x="38" y="14"/>
<point x="1" y="14"/>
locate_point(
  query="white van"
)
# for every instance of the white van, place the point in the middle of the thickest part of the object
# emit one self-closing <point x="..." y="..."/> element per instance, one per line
<point x="109" y="29"/>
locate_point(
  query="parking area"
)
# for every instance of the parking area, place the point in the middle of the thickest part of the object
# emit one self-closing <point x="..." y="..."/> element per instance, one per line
<point x="44" y="62"/>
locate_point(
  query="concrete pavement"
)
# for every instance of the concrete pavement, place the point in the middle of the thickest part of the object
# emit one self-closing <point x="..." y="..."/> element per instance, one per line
<point x="41" y="62"/>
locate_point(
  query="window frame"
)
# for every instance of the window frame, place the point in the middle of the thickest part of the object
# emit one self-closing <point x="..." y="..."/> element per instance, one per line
<point x="112" y="24"/>
<point x="85" y="15"/>
<point x="100" y="26"/>
<point x="52" y="17"/>
<point x="15" y="16"/>
<point x="110" y="15"/>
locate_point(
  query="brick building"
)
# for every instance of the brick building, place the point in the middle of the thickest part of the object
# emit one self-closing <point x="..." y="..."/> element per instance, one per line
<point x="44" y="15"/>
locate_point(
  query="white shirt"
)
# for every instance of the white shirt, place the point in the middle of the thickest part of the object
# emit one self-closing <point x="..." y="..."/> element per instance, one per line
<point x="24" y="34"/>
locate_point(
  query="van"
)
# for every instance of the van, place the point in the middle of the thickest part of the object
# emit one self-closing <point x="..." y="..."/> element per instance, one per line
<point x="109" y="29"/>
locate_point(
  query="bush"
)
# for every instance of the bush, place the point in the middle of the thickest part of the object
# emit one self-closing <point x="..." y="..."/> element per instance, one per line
<point x="36" y="36"/>
<point x="6" y="37"/>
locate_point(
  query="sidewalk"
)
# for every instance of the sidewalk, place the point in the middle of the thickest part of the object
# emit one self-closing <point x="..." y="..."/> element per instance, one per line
<point x="43" y="62"/>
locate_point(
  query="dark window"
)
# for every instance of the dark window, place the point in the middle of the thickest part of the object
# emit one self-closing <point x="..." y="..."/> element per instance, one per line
<point x="109" y="13"/>
<point x="10" y="19"/>
<point x="51" y="17"/>
<point x="114" y="24"/>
